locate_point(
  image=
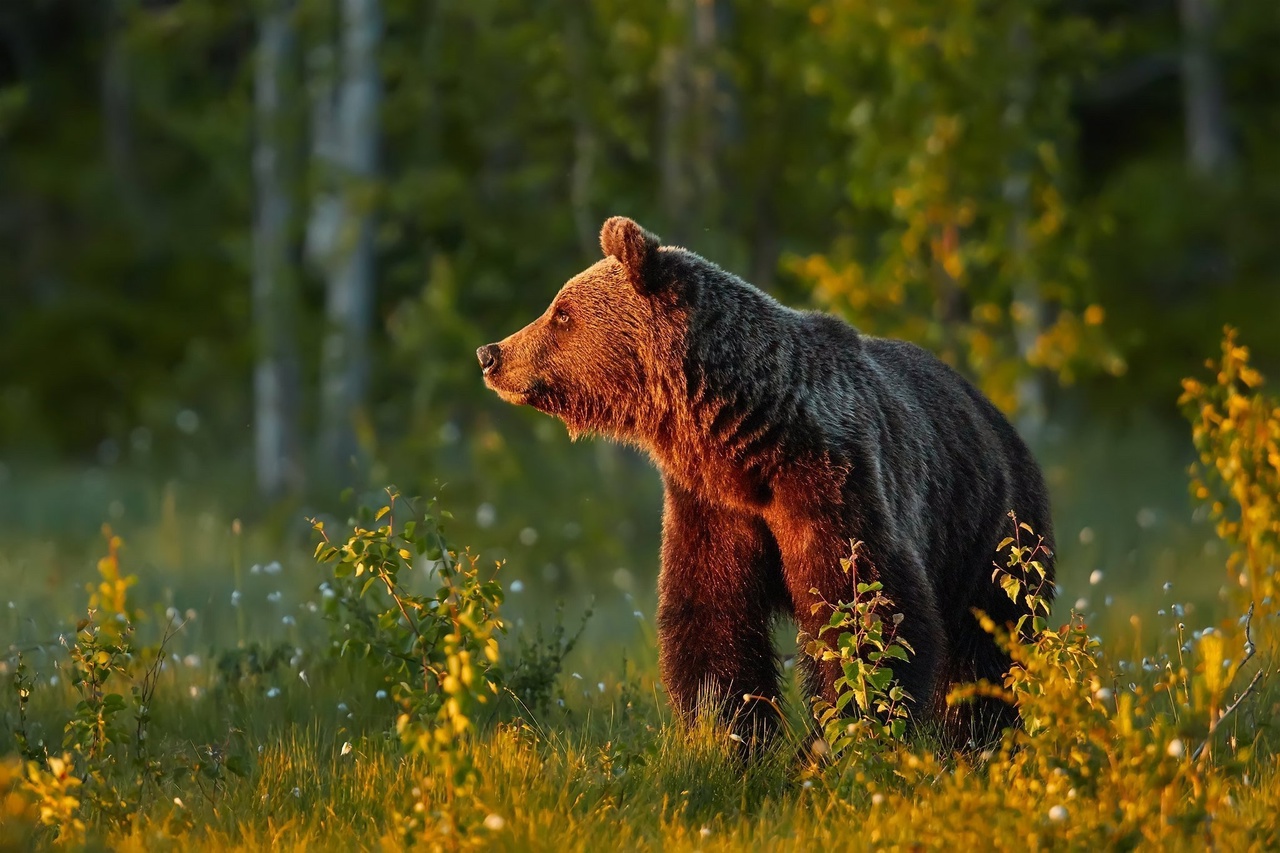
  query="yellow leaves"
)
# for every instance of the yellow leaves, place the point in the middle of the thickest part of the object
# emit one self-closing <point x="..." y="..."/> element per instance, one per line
<point x="1237" y="437"/>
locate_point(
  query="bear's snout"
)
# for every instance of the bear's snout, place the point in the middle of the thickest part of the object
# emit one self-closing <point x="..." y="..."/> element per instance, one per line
<point x="490" y="356"/>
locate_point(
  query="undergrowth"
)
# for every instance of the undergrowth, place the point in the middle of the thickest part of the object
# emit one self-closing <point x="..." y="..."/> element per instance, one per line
<point x="399" y="712"/>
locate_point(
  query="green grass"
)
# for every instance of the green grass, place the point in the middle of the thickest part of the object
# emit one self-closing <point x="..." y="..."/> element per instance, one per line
<point x="608" y="769"/>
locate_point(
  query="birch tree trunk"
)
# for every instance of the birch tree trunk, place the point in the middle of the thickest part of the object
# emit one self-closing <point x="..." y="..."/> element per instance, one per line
<point x="275" y="375"/>
<point x="674" y="177"/>
<point x="345" y="101"/>
<point x="1208" y="148"/>
<point x="1028" y="304"/>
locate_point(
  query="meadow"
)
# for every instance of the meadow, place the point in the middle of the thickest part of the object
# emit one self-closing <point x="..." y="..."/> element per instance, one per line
<point x="184" y="680"/>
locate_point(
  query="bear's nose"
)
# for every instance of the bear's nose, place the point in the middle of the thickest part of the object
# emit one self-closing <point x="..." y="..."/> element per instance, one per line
<point x="489" y="356"/>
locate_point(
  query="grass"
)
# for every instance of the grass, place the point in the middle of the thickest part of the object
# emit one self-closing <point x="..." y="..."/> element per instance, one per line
<point x="605" y="767"/>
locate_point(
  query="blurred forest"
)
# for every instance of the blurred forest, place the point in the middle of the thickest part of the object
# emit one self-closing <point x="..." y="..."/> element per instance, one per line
<point x="257" y="243"/>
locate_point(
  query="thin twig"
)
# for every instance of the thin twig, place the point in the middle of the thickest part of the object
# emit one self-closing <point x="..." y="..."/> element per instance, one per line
<point x="1249" y="650"/>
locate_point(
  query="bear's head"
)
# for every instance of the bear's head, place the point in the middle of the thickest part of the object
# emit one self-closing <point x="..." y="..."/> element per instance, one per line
<point x="593" y="356"/>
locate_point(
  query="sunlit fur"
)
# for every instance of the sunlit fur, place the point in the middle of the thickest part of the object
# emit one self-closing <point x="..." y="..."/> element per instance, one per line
<point x="781" y="435"/>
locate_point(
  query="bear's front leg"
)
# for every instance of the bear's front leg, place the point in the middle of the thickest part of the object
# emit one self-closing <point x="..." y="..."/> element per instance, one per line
<point x="720" y="582"/>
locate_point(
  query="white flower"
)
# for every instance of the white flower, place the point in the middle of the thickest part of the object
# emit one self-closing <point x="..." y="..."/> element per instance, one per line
<point x="273" y="692"/>
<point x="342" y="706"/>
<point x="192" y="661"/>
<point x="381" y="694"/>
<point x="600" y="685"/>
<point x="877" y="799"/>
<point x="288" y="619"/>
<point x="274" y="597"/>
<point x="705" y="832"/>
<point x="1176" y="749"/>
<point x="177" y="801"/>
<point x="517" y="586"/>
<point x="494" y="822"/>
<point x="638" y="615"/>
<point x="577" y="676"/>
<point x="1095" y="577"/>
<point x="171" y="614"/>
<point x="297" y="792"/>
<point x="1103" y="694"/>
<point x="235" y="598"/>
<point x="346" y="748"/>
<point x="1058" y="814"/>
<point x="272" y="568"/>
<point x="1082" y="604"/>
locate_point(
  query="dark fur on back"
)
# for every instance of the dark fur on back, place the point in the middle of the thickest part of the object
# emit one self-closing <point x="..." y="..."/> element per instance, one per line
<point x="781" y="436"/>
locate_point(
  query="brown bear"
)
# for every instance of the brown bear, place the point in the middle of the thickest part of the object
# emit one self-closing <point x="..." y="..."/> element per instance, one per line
<point x="781" y="435"/>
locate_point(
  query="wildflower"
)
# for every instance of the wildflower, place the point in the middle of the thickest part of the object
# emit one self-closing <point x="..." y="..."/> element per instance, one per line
<point x="600" y="685"/>
<point x="273" y="692"/>
<point x="288" y="619"/>
<point x="297" y="793"/>
<point x="235" y="598"/>
<point x="381" y="694"/>
<point x="1103" y="694"/>
<point x="1058" y="814"/>
<point x="342" y="706"/>
<point x="272" y="568"/>
<point x="302" y="673"/>
<point x="516" y="586"/>
<point x="177" y="801"/>
<point x="494" y="823"/>
<point x="171" y="614"/>
<point x="705" y="832"/>
<point x="808" y="783"/>
<point x="1082" y="604"/>
<point x="1095" y="577"/>
<point x="274" y="597"/>
<point x="737" y="738"/>
<point x="1168" y="585"/>
<point x="346" y="748"/>
<point x="877" y="799"/>
<point x="1175" y="748"/>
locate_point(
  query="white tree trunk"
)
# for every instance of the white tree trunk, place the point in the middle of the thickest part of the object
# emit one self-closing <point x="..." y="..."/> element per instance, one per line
<point x="275" y="373"/>
<point x="340" y="235"/>
<point x="674" y="182"/>
<point x="1028" y="314"/>
<point x="1208" y="148"/>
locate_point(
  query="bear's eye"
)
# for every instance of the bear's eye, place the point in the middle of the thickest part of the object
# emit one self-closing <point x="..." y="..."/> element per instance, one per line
<point x="562" y="317"/>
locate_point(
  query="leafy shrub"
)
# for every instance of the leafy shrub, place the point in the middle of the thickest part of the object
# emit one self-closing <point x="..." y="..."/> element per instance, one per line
<point x="439" y="647"/>
<point x="870" y="711"/>
<point x="1236" y="430"/>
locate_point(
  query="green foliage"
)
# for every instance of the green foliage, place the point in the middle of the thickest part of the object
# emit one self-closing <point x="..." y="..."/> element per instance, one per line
<point x="870" y="711"/>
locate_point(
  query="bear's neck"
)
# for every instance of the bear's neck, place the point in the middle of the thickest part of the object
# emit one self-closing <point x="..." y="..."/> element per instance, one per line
<point x="743" y="416"/>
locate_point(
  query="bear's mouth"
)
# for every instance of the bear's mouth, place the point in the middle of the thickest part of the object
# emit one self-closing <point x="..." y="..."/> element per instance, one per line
<point x="534" y="394"/>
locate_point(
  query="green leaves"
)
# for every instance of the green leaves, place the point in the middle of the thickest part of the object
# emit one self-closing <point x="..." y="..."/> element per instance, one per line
<point x="870" y="712"/>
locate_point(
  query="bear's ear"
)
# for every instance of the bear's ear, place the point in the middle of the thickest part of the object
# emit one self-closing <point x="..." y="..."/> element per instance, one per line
<point x="634" y="248"/>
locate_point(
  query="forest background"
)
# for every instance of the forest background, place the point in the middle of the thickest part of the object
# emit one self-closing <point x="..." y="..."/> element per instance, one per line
<point x="247" y="250"/>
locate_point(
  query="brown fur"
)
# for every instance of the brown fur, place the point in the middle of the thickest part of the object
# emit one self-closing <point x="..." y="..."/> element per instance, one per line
<point x="782" y="435"/>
